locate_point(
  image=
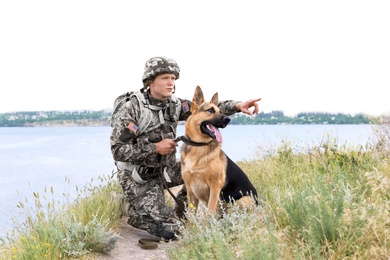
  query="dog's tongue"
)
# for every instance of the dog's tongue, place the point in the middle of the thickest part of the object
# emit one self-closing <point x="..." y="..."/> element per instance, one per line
<point x="218" y="135"/>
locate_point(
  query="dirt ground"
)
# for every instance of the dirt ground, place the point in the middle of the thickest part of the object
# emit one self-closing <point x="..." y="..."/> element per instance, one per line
<point x="127" y="245"/>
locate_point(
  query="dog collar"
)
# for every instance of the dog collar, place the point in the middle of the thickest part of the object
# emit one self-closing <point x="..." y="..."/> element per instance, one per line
<point x="188" y="141"/>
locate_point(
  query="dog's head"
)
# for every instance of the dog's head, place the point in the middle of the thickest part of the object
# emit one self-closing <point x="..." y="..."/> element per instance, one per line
<point x="205" y="119"/>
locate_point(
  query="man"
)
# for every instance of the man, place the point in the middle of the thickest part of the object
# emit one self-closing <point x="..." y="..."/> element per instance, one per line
<point x="142" y="144"/>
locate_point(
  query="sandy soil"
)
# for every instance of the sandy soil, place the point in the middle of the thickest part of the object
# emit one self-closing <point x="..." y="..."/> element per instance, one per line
<point x="127" y="246"/>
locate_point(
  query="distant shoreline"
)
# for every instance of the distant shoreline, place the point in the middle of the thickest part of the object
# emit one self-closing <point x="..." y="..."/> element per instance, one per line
<point x="102" y="118"/>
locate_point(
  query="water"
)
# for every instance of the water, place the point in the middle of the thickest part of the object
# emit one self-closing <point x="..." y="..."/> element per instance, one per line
<point x="242" y="142"/>
<point x="34" y="158"/>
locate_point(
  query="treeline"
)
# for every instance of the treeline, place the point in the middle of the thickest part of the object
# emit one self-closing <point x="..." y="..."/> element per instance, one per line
<point x="102" y="117"/>
<point x="55" y="118"/>
<point x="278" y="118"/>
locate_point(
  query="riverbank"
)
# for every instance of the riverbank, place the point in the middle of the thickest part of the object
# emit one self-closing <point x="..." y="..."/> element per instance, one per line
<point x="313" y="205"/>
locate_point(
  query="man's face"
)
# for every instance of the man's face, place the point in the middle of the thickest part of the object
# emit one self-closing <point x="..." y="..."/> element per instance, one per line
<point x="162" y="87"/>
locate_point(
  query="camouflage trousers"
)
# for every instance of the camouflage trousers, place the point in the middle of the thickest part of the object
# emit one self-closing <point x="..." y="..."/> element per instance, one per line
<point x="146" y="201"/>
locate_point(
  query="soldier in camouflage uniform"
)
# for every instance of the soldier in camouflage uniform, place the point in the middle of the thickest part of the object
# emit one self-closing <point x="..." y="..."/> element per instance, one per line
<point x="142" y="145"/>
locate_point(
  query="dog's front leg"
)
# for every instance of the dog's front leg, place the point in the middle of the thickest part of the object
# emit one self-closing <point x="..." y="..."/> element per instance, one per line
<point x="192" y="201"/>
<point x="215" y="190"/>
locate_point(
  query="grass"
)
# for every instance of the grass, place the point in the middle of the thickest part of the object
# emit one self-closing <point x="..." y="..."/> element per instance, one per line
<point x="328" y="201"/>
<point x="76" y="230"/>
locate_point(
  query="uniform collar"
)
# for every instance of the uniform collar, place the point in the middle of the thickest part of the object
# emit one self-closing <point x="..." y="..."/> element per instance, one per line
<point x="157" y="102"/>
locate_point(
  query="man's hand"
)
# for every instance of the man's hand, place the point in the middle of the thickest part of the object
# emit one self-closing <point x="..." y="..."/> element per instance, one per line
<point x="166" y="146"/>
<point x="245" y="106"/>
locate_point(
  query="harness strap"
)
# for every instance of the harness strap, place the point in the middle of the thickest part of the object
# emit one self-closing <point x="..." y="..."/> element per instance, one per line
<point x="136" y="177"/>
<point x="155" y="108"/>
<point x="136" y="170"/>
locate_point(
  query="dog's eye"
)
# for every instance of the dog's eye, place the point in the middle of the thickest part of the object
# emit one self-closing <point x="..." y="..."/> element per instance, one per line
<point x="211" y="110"/>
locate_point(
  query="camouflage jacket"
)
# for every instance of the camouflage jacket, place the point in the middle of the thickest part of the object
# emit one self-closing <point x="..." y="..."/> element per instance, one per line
<point x="129" y="144"/>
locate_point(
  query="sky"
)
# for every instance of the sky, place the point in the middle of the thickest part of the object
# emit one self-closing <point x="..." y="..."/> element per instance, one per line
<point x="297" y="56"/>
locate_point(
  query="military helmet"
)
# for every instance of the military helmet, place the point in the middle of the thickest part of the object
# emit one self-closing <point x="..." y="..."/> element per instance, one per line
<point x="159" y="65"/>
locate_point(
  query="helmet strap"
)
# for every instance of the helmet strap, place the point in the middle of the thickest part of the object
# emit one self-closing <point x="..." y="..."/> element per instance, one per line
<point x="144" y="89"/>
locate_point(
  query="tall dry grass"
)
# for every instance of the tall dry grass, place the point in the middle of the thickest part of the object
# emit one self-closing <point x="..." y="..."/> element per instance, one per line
<point x="53" y="230"/>
<point x="328" y="202"/>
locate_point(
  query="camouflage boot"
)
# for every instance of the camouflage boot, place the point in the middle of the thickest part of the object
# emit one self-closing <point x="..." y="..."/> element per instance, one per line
<point x="163" y="230"/>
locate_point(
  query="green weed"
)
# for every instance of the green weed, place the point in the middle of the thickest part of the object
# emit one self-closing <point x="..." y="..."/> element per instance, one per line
<point x="53" y="230"/>
<point x="327" y="201"/>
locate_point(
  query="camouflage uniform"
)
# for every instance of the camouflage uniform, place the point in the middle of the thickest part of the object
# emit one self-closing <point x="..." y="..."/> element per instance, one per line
<point x="134" y="150"/>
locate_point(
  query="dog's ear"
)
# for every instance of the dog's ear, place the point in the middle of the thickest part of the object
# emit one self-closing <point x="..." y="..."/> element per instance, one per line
<point x="214" y="99"/>
<point x="198" y="99"/>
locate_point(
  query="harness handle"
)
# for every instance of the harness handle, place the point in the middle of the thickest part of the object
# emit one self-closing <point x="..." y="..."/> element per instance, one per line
<point x="148" y="243"/>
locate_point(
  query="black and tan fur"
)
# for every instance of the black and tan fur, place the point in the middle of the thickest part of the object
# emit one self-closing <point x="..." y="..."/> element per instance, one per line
<point x="207" y="172"/>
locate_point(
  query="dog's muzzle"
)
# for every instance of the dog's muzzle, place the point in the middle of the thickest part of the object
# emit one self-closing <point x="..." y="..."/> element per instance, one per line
<point x="210" y="127"/>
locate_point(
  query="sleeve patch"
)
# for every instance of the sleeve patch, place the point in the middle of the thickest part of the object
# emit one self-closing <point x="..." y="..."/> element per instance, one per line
<point x="185" y="107"/>
<point x="132" y="127"/>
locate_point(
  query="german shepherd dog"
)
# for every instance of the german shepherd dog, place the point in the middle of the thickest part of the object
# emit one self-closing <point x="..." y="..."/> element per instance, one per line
<point x="208" y="174"/>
